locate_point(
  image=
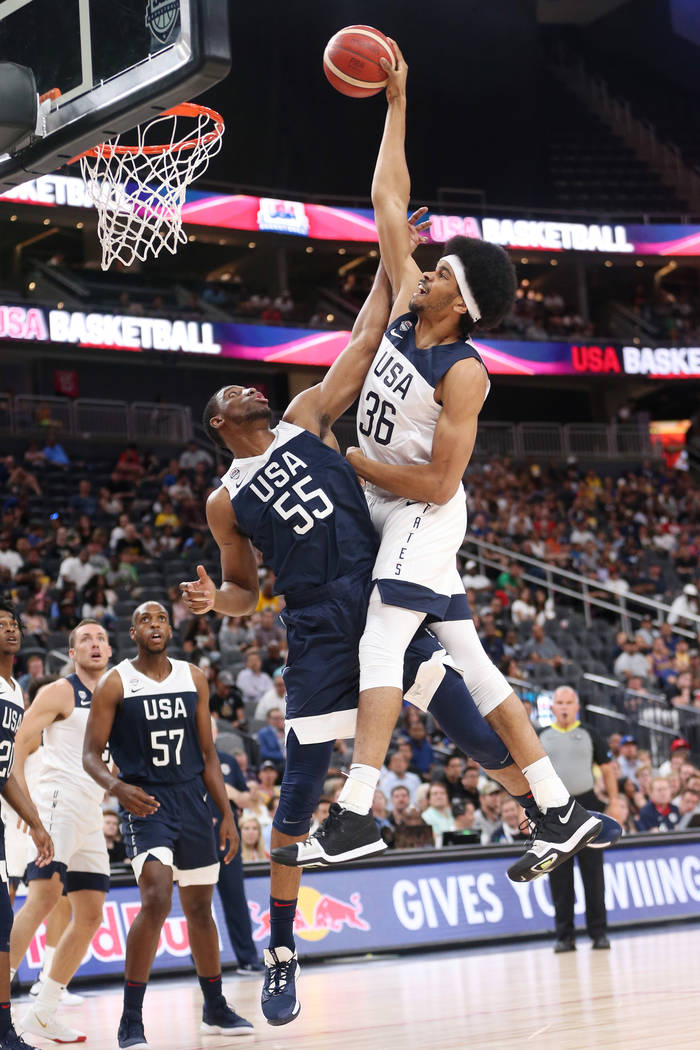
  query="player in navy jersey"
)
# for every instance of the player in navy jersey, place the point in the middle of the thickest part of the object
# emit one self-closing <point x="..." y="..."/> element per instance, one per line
<point x="11" y="712"/>
<point x="154" y="712"/>
<point x="417" y="423"/>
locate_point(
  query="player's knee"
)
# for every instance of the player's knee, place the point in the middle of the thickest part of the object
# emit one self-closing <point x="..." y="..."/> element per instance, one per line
<point x="382" y="646"/>
<point x="198" y="912"/>
<point x="88" y="917"/>
<point x="156" y="900"/>
<point x="43" y="894"/>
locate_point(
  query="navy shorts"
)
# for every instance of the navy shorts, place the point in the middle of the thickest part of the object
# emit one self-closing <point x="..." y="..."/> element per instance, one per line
<point x="180" y="834"/>
<point x="5" y="906"/>
<point x="322" y="676"/>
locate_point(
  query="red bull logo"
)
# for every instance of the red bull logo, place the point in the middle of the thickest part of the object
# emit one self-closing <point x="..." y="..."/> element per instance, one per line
<point x="317" y="915"/>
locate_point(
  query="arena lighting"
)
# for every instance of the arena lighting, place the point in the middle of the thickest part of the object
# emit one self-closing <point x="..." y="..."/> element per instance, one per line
<point x="524" y="260"/>
<point x="221" y="241"/>
<point x="341" y="251"/>
<point x="31" y="286"/>
<point x="191" y="238"/>
<point x="309" y="249"/>
<point x="13" y="218"/>
<point x="553" y="262"/>
<point x="373" y="254"/>
<point x="330" y="318"/>
<point x="47" y="222"/>
<point x="639" y="263"/>
<point x="607" y="263"/>
<point x="636" y="340"/>
<point x="59" y="306"/>
<point x="251" y="244"/>
<point x="79" y="225"/>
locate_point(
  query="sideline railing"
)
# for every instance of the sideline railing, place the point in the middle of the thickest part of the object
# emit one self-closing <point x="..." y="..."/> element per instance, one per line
<point x="94" y="418"/>
<point x="628" y="607"/>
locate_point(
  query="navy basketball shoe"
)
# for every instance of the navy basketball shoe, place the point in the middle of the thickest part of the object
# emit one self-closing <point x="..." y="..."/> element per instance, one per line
<point x="131" y="1035"/>
<point x="279" y="1001"/>
<point x="219" y="1019"/>
<point x="12" y="1041"/>
<point x="343" y="836"/>
<point x="608" y="834"/>
<point x="556" y="835"/>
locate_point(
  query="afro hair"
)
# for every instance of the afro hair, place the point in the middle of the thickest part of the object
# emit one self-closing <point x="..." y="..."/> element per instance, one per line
<point x="491" y="277"/>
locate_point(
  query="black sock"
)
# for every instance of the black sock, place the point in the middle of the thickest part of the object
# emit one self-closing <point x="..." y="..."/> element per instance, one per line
<point x="528" y="803"/>
<point x="5" y="1019"/>
<point x="211" y="989"/>
<point x="134" y="992"/>
<point x="282" y="923"/>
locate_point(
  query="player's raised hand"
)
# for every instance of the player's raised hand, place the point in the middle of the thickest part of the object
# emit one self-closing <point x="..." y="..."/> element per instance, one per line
<point x="396" y="87"/>
<point x="416" y="225"/>
<point x="44" y="845"/>
<point x="135" y="800"/>
<point x="199" y="595"/>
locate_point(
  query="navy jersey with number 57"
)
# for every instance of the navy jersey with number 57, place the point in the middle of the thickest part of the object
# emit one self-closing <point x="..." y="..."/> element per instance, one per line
<point x="301" y="505"/>
<point x="154" y="737"/>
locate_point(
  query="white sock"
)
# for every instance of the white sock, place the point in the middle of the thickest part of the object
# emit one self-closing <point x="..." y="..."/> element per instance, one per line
<point x="358" y="790"/>
<point x="48" y="959"/>
<point x="545" y="785"/>
<point x="50" y="995"/>
<point x="13" y="971"/>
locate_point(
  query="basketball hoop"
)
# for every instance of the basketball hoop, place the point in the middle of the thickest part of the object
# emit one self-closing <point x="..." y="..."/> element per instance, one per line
<point x="139" y="190"/>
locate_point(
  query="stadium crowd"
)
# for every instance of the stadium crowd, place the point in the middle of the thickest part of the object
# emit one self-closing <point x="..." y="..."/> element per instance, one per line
<point x="133" y="528"/>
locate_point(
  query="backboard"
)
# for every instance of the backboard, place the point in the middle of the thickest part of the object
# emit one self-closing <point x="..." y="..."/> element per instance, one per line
<point x="106" y="66"/>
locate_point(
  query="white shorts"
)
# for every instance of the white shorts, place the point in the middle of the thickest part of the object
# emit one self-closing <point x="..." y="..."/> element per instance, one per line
<point x="416" y="567"/>
<point x="15" y="843"/>
<point x="74" y="822"/>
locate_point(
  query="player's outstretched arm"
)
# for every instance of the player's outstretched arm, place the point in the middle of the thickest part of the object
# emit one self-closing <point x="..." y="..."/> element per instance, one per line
<point x="211" y="775"/>
<point x="463" y="393"/>
<point x="238" y="594"/>
<point x="391" y="189"/>
<point x="51" y="702"/>
<point x="23" y="805"/>
<point x="103" y="709"/>
<point x="317" y="408"/>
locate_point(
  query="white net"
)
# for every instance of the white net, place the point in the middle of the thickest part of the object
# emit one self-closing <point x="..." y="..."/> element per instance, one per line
<point x="139" y="190"/>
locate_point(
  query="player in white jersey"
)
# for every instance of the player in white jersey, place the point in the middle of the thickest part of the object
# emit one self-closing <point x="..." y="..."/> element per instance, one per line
<point x="417" y="423"/>
<point x="69" y="802"/>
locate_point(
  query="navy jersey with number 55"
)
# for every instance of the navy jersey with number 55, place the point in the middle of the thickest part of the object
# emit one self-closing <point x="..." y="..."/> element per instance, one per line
<point x="154" y="736"/>
<point x="301" y="505"/>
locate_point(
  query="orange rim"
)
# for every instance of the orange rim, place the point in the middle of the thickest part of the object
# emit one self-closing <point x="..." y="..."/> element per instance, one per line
<point x="185" y="109"/>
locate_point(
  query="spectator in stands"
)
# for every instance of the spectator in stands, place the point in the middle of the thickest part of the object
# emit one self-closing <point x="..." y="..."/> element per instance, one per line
<point x="252" y="680"/>
<point x="473" y="579"/>
<point x="320" y="813"/>
<point x="451" y="776"/>
<point x="110" y="827"/>
<point x="659" y="814"/>
<point x="271" y="738"/>
<point x="234" y="636"/>
<point x="543" y="650"/>
<point x="685" y="605"/>
<point x="628" y="760"/>
<point x="131" y="542"/>
<point x="488" y="814"/>
<point x="510" y="830"/>
<point x="645" y="632"/>
<point x="439" y="811"/>
<point x="36" y="625"/>
<point x="522" y="609"/>
<point x="381" y="815"/>
<point x="680" y="750"/>
<point x="129" y="467"/>
<point x="34" y="671"/>
<point x="688" y="807"/>
<point x="76" y="571"/>
<point x="276" y="697"/>
<point x="422" y="754"/>
<point x="9" y="558"/>
<point x="252" y="846"/>
<point x="99" y="603"/>
<point x="660" y="663"/>
<point x="193" y="456"/>
<point x="470" y="783"/>
<point x="619" y="809"/>
<point x="630" y="662"/>
<point x="256" y="805"/>
<point x="268" y="630"/>
<point x="54" y="454"/>
<point x="166" y="516"/>
<point x="226" y="701"/>
<point x="397" y="772"/>
<point x="399" y="801"/>
<point x="267" y="778"/>
<point x="491" y="639"/>
<point x="83" y="502"/>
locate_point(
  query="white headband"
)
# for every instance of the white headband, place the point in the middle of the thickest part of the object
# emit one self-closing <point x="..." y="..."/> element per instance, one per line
<point x="457" y="267"/>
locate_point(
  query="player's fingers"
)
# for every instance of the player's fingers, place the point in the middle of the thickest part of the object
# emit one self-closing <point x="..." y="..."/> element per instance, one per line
<point x="424" y="225"/>
<point x="203" y="574"/>
<point x="400" y="60"/>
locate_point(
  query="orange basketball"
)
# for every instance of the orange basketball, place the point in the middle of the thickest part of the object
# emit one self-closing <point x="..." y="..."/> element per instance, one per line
<point x="351" y="61"/>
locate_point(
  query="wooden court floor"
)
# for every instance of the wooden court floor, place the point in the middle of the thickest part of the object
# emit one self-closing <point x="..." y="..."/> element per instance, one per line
<point x="644" y="993"/>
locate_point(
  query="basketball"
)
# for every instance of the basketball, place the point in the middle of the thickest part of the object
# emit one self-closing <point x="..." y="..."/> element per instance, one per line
<point x="351" y="61"/>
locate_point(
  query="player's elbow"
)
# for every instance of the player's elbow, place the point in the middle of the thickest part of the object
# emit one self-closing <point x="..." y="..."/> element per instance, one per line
<point x="442" y="489"/>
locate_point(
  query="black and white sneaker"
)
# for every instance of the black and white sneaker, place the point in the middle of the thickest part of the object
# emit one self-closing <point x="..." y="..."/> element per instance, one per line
<point x="219" y="1019"/>
<point x="556" y="835"/>
<point x="12" y="1041"/>
<point x="343" y="836"/>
